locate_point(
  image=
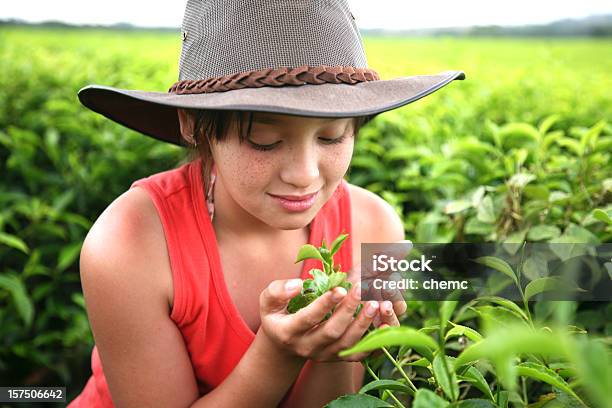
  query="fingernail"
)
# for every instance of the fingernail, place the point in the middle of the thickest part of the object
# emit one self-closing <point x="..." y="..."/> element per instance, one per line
<point x="357" y="290"/>
<point x="371" y="308"/>
<point x="387" y="306"/>
<point x="292" y="284"/>
<point x="338" y="294"/>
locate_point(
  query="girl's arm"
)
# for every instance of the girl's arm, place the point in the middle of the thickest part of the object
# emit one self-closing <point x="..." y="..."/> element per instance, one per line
<point x="322" y="382"/>
<point x="142" y="351"/>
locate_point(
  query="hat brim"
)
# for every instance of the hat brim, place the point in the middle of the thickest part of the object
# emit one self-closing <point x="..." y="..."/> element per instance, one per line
<point x="154" y="113"/>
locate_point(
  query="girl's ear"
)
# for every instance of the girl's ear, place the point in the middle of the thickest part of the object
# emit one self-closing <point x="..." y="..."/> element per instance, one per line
<point x="187" y="124"/>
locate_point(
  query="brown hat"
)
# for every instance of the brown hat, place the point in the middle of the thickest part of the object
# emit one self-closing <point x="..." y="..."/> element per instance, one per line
<point x="299" y="57"/>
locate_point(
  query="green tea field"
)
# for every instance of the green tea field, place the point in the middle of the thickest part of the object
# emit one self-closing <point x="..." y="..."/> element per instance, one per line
<point x="518" y="152"/>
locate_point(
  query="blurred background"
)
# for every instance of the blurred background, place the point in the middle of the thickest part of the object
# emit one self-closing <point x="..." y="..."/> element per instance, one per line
<point x="519" y="151"/>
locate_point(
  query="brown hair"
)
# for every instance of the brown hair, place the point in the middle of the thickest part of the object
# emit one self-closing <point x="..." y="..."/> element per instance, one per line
<point x="214" y="124"/>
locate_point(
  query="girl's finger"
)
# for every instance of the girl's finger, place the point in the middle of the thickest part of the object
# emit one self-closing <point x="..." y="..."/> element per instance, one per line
<point x="342" y="316"/>
<point x="313" y="314"/>
<point x="360" y="325"/>
<point x="387" y="315"/>
<point x="276" y="296"/>
<point x="399" y="307"/>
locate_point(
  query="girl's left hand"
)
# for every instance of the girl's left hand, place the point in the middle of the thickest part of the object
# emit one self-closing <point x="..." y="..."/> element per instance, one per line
<point x="388" y="313"/>
<point x="392" y="304"/>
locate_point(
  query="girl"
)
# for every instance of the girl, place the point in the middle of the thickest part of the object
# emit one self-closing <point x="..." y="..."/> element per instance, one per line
<point x="188" y="274"/>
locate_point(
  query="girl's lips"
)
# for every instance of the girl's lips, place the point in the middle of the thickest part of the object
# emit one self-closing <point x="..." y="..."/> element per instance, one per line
<point x="296" y="203"/>
<point x="295" y="198"/>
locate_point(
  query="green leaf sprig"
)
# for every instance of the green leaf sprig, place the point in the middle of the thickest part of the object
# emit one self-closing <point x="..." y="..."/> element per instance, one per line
<point x="322" y="280"/>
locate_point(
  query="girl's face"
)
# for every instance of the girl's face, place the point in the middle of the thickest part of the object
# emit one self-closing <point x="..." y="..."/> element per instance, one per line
<point x="285" y="170"/>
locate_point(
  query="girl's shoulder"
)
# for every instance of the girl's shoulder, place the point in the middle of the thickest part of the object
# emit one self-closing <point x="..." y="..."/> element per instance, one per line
<point x="373" y="219"/>
<point x="129" y="230"/>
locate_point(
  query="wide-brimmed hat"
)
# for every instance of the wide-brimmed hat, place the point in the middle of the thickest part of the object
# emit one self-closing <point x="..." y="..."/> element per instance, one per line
<point x="298" y="57"/>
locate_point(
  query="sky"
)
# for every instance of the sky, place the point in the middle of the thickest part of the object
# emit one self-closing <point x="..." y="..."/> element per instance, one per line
<point x="385" y="14"/>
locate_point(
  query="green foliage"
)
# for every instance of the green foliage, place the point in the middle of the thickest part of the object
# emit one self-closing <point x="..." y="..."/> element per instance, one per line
<point x="322" y="280"/>
<point x="519" y="151"/>
<point x="517" y="354"/>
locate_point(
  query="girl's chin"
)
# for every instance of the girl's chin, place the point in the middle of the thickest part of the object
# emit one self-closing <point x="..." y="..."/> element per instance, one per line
<point x="293" y="221"/>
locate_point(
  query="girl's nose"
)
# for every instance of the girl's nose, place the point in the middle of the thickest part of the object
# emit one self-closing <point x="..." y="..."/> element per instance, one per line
<point x="301" y="168"/>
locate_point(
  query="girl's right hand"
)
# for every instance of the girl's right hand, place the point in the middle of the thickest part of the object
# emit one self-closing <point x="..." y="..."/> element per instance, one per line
<point x="304" y="333"/>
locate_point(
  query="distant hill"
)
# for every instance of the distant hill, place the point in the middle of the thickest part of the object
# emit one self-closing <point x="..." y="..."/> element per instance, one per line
<point x="60" y="24"/>
<point x="593" y="26"/>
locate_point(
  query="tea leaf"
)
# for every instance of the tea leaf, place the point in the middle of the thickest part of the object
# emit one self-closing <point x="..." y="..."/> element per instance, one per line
<point x="338" y="243"/>
<point x="494" y="318"/>
<point x="459" y="330"/>
<point x="514" y="241"/>
<point x="308" y="251"/>
<point x="602" y="216"/>
<point x="545" y="374"/>
<point x="300" y="301"/>
<point x="308" y="286"/>
<point x="358" y="401"/>
<point x="502" y="399"/>
<point x="447" y="307"/>
<point x="391" y="336"/>
<point x="321" y="281"/>
<point x="425" y="398"/>
<point x="508" y="304"/>
<point x="68" y="255"/>
<point x="520" y="180"/>
<point x="547" y="123"/>
<point x="446" y="376"/>
<point x="25" y="309"/>
<point x="594" y="366"/>
<point x="477" y="196"/>
<point x="421" y="362"/>
<point x="327" y="259"/>
<point x="499" y="265"/>
<point x="386" y="385"/>
<point x="542" y="232"/>
<point x="535" y="267"/>
<point x="454" y="207"/>
<point x="571" y="144"/>
<point x="336" y="278"/>
<point x="514" y="341"/>
<point x="475" y="377"/>
<point x="485" y="211"/>
<point x="549" y="284"/>
<point x="14" y="242"/>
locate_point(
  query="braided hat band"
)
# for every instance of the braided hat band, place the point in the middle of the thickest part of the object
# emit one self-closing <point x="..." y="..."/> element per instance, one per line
<point x="301" y="75"/>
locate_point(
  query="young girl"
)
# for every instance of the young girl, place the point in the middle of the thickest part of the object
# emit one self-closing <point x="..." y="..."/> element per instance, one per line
<point x="188" y="274"/>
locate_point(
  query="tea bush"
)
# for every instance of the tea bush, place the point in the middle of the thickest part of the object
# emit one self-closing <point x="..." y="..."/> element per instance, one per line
<point x="520" y="150"/>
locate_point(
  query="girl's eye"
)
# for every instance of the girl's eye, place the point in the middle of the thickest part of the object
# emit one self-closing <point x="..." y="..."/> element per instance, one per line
<point x="333" y="141"/>
<point x="261" y="147"/>
<point x="268" y="147"/>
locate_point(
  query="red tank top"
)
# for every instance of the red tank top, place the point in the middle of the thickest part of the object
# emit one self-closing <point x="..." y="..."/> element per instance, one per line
<point x="215" y="334"/>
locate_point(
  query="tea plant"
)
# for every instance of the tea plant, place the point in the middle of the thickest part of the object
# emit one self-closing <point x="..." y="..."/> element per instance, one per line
<point x="513" y="360"/>
<point x="322" y="280"/>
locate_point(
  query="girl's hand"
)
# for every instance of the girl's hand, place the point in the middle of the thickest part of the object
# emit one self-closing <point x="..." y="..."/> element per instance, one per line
<point x="391" y="302"/>
<point x="304" y="333"/>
